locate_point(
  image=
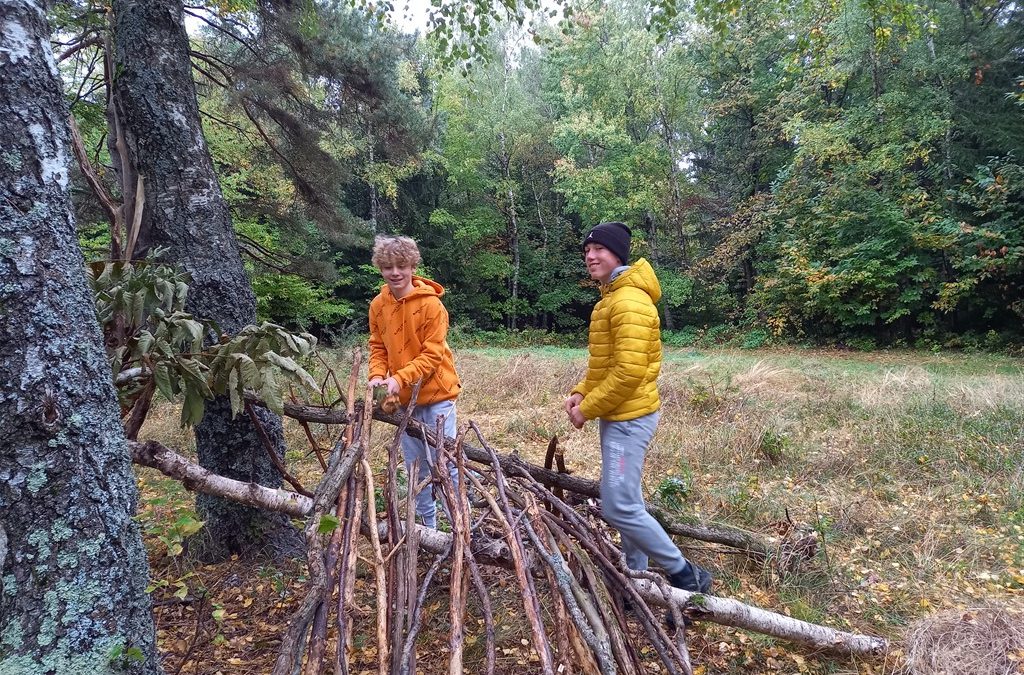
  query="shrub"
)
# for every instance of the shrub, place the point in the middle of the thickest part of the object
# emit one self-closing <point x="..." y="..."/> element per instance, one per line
<point x="755" y="339"/>
<point x="687" y="337"/>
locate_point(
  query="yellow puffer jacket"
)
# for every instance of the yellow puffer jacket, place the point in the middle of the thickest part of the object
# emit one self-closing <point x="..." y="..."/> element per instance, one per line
<point x="625" y="348"/>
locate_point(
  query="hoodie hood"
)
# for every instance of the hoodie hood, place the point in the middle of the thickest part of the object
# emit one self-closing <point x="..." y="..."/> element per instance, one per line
<point x="421" y="286"/>
<point x="640" y="275"/>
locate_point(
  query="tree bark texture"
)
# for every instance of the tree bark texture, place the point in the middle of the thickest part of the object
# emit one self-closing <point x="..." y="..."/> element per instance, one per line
<point x="185" y="213"/>
<point x="73" y="570"/>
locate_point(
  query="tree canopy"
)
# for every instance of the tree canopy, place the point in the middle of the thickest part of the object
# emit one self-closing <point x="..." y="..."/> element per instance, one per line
<point x="842" y="172"/>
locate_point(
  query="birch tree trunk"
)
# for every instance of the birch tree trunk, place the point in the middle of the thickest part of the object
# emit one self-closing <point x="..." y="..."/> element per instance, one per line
<point x="185" y="212"/>
<point x="73" y="570"/>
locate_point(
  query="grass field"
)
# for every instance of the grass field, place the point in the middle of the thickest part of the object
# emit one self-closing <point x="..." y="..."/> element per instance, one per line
<point x="909" y="466"/>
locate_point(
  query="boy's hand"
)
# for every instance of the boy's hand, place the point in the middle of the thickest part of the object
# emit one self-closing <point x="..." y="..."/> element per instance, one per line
<point x="572" y="402"/>
<point x="576" y="417"/>
<point x="391" y="383"/>
<point x="393" y="386"/>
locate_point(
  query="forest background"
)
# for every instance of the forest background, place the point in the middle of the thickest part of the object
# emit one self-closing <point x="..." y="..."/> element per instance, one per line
<point x="843" y="173"/>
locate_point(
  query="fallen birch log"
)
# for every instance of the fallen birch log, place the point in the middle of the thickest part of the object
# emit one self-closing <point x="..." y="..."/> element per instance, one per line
<point x="728" y="612"/>
<point x="194" y="477"/>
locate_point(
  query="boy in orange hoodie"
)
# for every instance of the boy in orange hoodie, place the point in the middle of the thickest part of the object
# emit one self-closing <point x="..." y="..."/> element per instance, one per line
<point x="409" y="341"/>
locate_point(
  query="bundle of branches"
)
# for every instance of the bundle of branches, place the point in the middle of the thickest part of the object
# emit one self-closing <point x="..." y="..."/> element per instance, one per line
<point x="557" y="553"/>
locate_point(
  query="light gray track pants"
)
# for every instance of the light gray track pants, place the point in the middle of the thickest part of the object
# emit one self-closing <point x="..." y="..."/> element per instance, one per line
<point x="416" y="448"/>
<point x="623" y="449"/>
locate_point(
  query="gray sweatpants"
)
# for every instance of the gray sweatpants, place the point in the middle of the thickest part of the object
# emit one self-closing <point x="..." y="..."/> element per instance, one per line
<point x="416" y="448"/>
<point x="623" y="449"/>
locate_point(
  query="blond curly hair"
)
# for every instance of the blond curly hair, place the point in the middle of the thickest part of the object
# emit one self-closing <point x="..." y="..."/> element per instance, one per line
<point x="389" y="250"/>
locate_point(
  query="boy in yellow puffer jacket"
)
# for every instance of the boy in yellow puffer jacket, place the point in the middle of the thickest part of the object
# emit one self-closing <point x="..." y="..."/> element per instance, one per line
<point x="621" y="390"/>
<point x="409" y="341"/>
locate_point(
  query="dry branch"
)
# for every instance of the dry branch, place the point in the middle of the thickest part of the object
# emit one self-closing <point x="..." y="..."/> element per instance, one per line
<point x="306" y="413"/>
<point x="504" y="514"/>
<point x="342" y="464"/>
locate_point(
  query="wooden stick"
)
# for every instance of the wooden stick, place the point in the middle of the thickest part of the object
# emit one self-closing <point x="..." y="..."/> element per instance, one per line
<point x="383" y="660"/>
<point x="408" y="651"/>
<point x="342" y="463"/>
<point x="455" y="499"/>
<point x="601" y="651"/>
<point x="587" y="537"/>
<point x="396" y="573"/>
<point x="540" y="643"/>
<point x="406" y="570"/>
<point x="347" y="576"/>
<point x="272" y="453"/>
<point x="318" y="633"/>
<point x="485" y="609"/>
<point x="559" y="579"/>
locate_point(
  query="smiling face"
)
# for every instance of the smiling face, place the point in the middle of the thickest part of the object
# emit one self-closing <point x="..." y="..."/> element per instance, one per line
<point x="398" y="276"/>
<point x="600" y="261"/>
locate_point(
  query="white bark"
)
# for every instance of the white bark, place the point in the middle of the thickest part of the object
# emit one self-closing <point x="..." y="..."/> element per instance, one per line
<point x="198" y="479"/>
<point x="730" y="612"/>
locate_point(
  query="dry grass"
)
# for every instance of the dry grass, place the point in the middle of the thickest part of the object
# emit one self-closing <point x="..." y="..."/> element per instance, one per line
<point x="985" y="640"/>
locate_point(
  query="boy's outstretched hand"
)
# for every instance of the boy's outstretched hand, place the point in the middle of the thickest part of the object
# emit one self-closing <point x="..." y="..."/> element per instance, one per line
<point x="391" y="383"/>
<point x="572" y="409"/>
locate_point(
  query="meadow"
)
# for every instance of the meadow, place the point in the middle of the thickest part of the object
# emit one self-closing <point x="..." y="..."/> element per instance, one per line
<point x="908" y="466"/>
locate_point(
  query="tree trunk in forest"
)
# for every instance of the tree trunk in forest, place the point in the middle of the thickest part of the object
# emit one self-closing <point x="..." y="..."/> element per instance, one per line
<point x="513" y="235"/>
<point x="73" y="570"/>
<point x="185" y="212"/>
<point x="652" y="229"/>
<point x="513" y="221"/>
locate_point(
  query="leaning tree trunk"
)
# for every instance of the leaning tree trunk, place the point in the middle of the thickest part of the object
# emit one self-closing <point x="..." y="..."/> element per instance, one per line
<point x="73" y="571"/>
<point x="185" y="213"/>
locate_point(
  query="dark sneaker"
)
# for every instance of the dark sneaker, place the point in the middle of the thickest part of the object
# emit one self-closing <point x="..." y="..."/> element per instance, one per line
<point x="692" y="578"/>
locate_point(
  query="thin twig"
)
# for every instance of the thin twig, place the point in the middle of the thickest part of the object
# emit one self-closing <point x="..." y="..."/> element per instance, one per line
<point x="272" y="452"/>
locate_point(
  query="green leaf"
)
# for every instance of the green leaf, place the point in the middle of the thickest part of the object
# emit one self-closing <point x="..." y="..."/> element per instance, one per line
<point x="144" y="342"/>
<point x="191" y="371"/>
<point x="235" y="392"/>
<point x="187" y="525"/>
<point x="192" y="409"/>
<point x="249" y="371"/>
<point x="271" y="392"/>
<point x="292" y="369"/>
<point x="328" y="524"/>
<point x="162" y="375"/>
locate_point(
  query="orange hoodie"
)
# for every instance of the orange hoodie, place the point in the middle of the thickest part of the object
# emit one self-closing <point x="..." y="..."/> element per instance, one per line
<point x="409" y="340"/>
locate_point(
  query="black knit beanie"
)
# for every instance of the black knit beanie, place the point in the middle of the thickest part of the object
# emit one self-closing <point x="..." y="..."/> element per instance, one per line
<point x="614" y="236"/>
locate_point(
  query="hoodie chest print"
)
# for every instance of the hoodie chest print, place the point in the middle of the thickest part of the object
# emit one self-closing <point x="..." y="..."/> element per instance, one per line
<point x="402" y="320"/>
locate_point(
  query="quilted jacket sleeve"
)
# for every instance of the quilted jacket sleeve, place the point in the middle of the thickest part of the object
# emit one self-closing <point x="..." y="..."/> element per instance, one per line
<point x="633" y="326"/>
